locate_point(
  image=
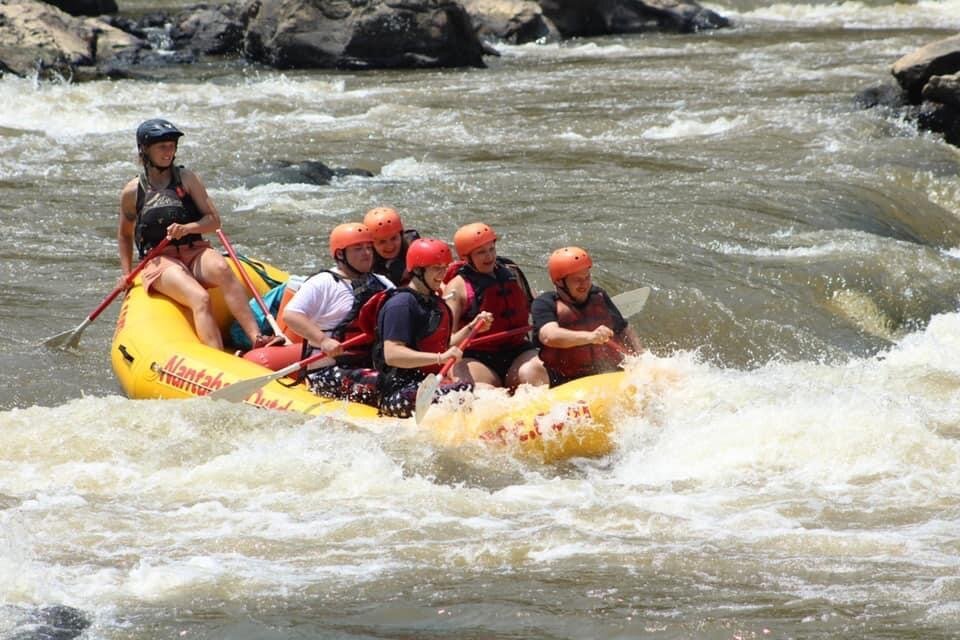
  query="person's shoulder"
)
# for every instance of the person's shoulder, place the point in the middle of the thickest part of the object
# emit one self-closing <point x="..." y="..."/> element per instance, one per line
<point x="401" y="298"/>
<point x="188" y="178"/>
<point x="128" y="197"/>
<point x="547" y="298"/>
<point x="322" y="279"/>
<point x="387" y="282"/>
<point x="511" y="267"/>
<point x="456" y="281"/>
<point x="186" y="174"/>
<point x="130" y="187"/>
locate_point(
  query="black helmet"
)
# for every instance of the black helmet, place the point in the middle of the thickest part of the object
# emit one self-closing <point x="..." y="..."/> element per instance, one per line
<point x="156" y="130"/>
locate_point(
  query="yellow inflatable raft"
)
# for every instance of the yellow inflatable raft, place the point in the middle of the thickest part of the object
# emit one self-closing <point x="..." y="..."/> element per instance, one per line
<point x="155" y="353"/>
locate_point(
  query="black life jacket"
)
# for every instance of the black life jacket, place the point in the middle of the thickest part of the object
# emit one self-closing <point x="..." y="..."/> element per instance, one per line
<point x="357" y="320"/>
<point x="433" y="337"/>
<point x="587" y="359"/>
<point x="157" y="209"/>
<point x="505" y="293"/>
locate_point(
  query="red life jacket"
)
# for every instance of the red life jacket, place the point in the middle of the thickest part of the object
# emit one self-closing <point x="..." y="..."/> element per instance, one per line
<point x="588" y="359"/>
<point x="505" y="294"/>
<point x="433" y="337"/>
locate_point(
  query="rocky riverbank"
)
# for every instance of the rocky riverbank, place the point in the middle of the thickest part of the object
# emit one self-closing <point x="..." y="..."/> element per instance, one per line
<point x="41" y="38"/>
<point x="927" y="89"/>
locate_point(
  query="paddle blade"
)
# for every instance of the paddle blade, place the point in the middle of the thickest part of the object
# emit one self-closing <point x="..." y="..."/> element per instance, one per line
<point x="630" y="303"/>
<point x="67" y="339"/>
<point x="241" y="389"/>
<point x="425" y="393"/>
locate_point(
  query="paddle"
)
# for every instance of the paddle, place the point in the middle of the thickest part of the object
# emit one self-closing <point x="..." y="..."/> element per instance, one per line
<point x="428" y="387"/>
<point x="241" y="390"/>
<point x="71" y="339"/>
<point x="499" y="335"/>
<point x="256" y="294"/>
<point x="630" y="303"/>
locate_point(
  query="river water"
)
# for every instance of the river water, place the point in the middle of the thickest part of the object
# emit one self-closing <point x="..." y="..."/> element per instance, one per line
<point x="795" y="472"/>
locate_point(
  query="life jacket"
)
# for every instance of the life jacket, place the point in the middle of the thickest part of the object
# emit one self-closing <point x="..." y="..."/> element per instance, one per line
<point x="367" y="298"/>
<point x="505" y="293"/>
<point x="432" y="337"/>
<point x="588" y="359"/>
<point x="395" y="269"/>
<point x="157" y="209"/>
<point x="291" y="287"/>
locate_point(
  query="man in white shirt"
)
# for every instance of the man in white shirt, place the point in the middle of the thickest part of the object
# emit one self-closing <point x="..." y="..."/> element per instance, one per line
<point x="336" y="305"/>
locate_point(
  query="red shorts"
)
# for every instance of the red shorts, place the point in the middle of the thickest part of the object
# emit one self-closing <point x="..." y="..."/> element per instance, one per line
<point x="181" y="257"/>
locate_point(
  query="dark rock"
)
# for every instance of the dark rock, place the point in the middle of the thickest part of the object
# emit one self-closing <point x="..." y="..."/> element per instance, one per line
<point x="210" y="29"/>
<point x="915" y="69"/>
<point x="941" y="118"/>
<point x="361" y="34"/>
<point x="85" y="7"/>
<point x="881" y="95"/>
<point x="307" y="172"/>
<point x="943" y="89"/>
<point x="513" y="21"/>
<point x="586" y="18"/>
<point x="56" y="622"/>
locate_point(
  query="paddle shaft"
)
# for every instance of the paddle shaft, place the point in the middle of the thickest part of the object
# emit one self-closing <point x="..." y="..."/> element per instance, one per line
<point x="153" y="253"/>
<point x="635" y="298"/>
<point x="463" y="345"/>
<point x="500" y="335"/>
<point x="241" y="389"/>
<point x="363" y="338"/>
<point x="251" y="287"/>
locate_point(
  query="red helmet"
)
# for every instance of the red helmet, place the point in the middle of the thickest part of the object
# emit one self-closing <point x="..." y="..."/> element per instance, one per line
<point x="348" y="234"/>
<point x="470" y="236"/>
<point x="428" y="252"/>
<point x="383" y="222"/>
<point x="567" y="260"/>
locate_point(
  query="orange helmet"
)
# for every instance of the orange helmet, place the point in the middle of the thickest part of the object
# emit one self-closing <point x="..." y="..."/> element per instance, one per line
<point x="428" y="252"/>
<point x="567" y="260"/>
<point x="383" y="222"/>
<point x="348" y="234"/>
<point x="470" y="236"/>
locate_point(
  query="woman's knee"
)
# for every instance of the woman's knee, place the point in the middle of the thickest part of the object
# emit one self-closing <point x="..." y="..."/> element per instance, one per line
<point x="199" y="300"/>
<point x="216" y="271"/>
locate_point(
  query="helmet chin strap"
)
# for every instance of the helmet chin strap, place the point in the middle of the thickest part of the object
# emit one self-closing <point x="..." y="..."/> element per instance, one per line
<point x="147" y="162"/>
<point x="420" y="274"/>
<point x="341" y="259"/>
<point x="562" y="288"/>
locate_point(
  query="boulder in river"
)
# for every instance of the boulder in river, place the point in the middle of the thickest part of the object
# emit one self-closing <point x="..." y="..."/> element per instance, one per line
<point x="513" y="21"/>
<point x="584" y="18"/>
<point x="930" y="77"/>
<point x="216" y="29"/>
<point x="361" y="34"/>
<point x="306" y="172"/>
<point x="915" y="69"/>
